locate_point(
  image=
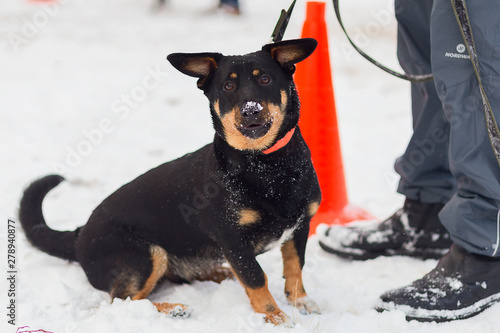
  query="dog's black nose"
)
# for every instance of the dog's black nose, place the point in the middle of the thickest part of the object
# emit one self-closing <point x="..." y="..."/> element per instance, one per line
<point x="251" y="109"/>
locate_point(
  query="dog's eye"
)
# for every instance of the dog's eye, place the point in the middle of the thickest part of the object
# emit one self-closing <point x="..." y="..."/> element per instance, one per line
<point x="265" y="79"/>
<point x="228" y="85"/>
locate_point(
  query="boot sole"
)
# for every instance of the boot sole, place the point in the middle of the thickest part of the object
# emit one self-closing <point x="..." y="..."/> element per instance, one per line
<point x="439" y="316"/>
<point x="358" y="254"/>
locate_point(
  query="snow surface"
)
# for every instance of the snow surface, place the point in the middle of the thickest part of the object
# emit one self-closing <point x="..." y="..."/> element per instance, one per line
<point x="85" y="88"/>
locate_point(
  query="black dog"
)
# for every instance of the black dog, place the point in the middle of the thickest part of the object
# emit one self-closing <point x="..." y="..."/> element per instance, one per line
<point x="254" y="187"/>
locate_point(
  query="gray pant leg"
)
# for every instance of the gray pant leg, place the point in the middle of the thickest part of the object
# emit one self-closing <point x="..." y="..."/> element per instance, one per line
<point x="472" y="214"/>
<point x="424" y="167"/>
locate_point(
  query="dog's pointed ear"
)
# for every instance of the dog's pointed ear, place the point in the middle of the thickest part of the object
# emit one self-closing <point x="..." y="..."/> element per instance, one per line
<point x="200" y="65"/>
<point x="290" y="52"/>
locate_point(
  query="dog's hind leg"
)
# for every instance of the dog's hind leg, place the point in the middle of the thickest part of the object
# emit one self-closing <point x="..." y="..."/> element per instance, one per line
<point x="159" y="262"/>
<point x="127" y="285"/>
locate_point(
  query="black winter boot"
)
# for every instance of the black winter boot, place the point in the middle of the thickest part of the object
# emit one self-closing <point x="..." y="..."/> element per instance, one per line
<point x="414" y="230"/>
<point x="461" y="286"/>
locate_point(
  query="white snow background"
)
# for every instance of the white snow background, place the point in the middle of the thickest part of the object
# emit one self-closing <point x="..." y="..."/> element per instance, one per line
<point x="85" y="86"/>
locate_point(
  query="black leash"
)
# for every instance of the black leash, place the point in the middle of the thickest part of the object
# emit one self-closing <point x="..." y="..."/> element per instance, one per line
<point x="279" y="29"/>
<point x="460" y="10"/>
<point x="408" y="77"/>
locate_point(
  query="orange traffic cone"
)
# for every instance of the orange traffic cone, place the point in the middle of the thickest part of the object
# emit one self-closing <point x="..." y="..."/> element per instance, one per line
<point x="318" y="124"/>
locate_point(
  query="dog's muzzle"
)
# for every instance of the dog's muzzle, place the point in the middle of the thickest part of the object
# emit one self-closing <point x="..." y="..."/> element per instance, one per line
<point x="254" y="124"/>
<point x="251" y="109"/>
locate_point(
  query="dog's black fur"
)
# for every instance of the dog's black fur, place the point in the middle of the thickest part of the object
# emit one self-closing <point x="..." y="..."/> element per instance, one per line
<point x="230" y="200"/>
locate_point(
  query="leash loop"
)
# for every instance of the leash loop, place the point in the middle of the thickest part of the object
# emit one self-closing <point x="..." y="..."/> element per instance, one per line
<point x="408" y="77"/>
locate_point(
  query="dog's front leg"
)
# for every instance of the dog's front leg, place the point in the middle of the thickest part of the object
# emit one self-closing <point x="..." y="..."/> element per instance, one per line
<point x="254" y="280"/>
<point x="293" y="252"/>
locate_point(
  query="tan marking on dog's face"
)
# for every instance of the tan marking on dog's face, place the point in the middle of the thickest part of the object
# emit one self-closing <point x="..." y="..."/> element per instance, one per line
<point x="248" y="216"/>
<point x="272" y="112"/>
<point x="159" y="261"/>
<point x="233" y="75"/>
<point x="217" y="108"/>
<point x="294" y="288"/>
<point x="313" y="208"/>
<point x="256" y="72"/>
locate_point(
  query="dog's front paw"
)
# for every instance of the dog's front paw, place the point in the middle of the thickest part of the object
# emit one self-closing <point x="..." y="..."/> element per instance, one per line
<point x="278" y="318"/>
<point x="306" y="305"/>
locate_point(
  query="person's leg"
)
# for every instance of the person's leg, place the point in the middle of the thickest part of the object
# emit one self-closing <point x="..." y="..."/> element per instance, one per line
<point x="472" y="214"/>
<point x="426" y="181"/>
<point x="424" y="167"/>
<point x="465" y="282"/>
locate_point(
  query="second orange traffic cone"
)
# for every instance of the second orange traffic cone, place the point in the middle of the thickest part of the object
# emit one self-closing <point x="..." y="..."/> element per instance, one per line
<point x="318" y="124"/>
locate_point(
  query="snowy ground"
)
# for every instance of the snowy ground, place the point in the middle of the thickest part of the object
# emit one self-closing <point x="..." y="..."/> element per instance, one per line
<point x="85" y="90"/>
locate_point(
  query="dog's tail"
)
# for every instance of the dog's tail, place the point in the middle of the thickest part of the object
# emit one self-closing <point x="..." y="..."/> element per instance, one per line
<point x="56" y="243"/>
